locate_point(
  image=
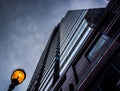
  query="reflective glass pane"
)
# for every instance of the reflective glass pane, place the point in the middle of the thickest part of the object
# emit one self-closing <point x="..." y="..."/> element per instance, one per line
<point x="97" y="47"/>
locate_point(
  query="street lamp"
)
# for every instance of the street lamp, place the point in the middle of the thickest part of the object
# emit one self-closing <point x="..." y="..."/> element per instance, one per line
<point x="17" y="77"/>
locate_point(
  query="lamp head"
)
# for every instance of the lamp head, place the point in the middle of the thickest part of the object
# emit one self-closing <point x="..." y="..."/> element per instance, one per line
<point x="18" y="76"/>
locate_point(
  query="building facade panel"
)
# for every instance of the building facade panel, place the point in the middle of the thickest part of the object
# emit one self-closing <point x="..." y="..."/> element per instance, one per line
<point x="82" y="53"/>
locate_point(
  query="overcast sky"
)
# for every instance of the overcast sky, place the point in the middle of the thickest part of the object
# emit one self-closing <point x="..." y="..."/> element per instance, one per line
<point x="25" y="26"/>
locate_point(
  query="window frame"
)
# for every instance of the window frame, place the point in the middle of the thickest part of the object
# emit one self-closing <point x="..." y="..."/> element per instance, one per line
<point x="101" y="50"/>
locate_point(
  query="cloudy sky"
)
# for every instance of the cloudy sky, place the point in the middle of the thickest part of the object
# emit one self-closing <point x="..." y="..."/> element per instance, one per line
<point x="25" y="26"/>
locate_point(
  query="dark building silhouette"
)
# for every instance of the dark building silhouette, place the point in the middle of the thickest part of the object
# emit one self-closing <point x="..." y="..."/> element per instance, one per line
<point x="82" y="53"/>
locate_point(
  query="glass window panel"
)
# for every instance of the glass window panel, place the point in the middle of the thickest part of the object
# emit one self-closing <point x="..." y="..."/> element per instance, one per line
<point x="97" y="47"/>
<point x="50" y="71"/>
<point x="84" y="38"/>
<point x="48" y="85"/>
<point x="45" y="81"/>
<point x="49" y="66"/>
<point x="73" y="42"/>
<point x="63" y="45"/>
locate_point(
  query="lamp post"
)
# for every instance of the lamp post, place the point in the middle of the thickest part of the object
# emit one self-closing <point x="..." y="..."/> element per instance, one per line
<point x="17" y="77"/>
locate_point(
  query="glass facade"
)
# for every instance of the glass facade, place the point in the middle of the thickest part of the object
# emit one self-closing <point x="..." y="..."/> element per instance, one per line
<point x="78" y="47"/>
<point x="52" y="57"/>
<point x="73" y="40"/>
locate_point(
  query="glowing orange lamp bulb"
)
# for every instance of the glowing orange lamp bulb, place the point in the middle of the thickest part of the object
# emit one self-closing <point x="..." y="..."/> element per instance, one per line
<point x="17" y="77"/>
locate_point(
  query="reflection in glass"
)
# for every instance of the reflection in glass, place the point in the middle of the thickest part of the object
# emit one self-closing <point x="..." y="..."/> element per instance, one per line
<point x="97" y="47"/>
<point x="79" y="45"/>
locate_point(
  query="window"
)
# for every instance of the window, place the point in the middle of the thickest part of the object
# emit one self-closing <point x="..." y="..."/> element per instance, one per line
<point x="97" y="47"/>
<point x="73" y="41"/>
<point x="47" y="88"/>
<point x="46" y="81"/>
<point x="74" y="51"/>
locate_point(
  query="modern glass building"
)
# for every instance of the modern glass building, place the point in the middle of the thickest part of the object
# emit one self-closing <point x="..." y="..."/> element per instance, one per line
<point x="82" y="53"/>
